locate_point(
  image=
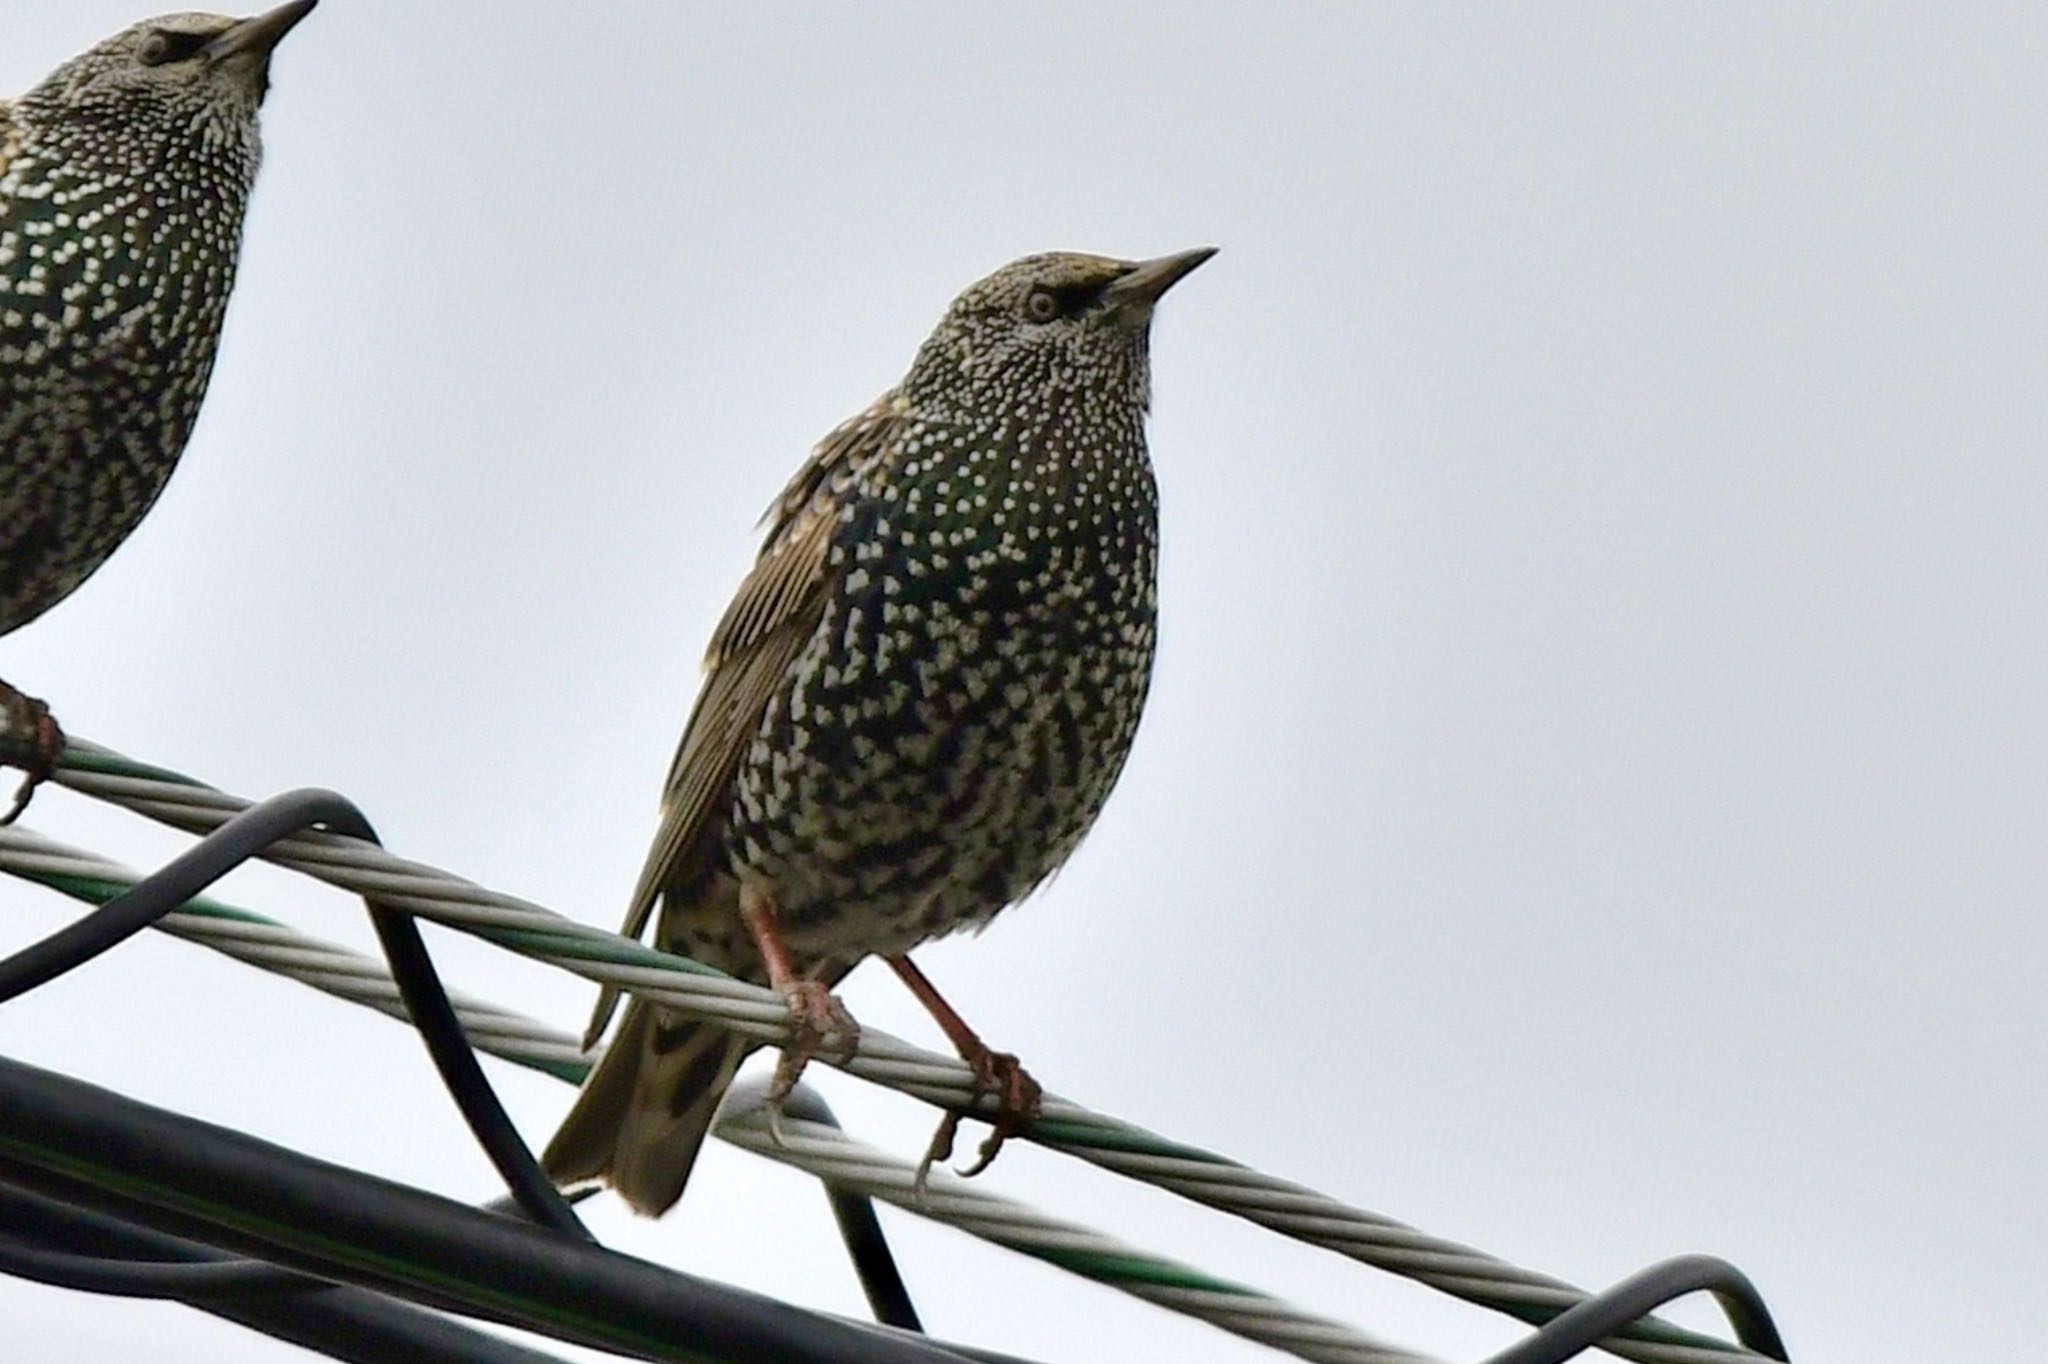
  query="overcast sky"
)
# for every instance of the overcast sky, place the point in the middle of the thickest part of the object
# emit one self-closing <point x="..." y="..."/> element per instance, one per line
<point x="1592" y="804"/>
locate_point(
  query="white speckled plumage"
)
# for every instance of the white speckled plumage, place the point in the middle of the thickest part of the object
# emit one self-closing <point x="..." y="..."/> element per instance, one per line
<point x="922" y="695"/>
<point x="123" y="179"/>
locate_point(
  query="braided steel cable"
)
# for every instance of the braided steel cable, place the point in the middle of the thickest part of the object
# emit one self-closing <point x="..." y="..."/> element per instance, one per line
<point x="264" y="942"/>
<point x="814" y="1146"/>
<point x="839" y="1160"/>
<point x="1200" y="1176"/>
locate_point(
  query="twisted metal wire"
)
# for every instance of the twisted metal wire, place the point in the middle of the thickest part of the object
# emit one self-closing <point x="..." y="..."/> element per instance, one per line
<point x="278" y="948"/>
<point x="676" y="982"/>
<point x="815" y="1147"/>
<point x="839" y="1160"/>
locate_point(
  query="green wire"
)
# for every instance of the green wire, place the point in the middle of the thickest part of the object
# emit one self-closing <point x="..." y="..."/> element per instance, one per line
<point x="1108" y="1269"/>
<point x="587" y="945"/>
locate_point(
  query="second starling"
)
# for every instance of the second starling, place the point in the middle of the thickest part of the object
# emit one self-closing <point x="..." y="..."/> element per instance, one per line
<point x="916" y="705"/>
<point x="123" y="180"/>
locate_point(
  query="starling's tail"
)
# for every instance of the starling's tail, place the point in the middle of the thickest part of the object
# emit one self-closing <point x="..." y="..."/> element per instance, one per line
<point x="646" y="1108"/>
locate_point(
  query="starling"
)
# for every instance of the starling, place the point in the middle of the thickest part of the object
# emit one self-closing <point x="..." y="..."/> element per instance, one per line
<point x="123" y="177"/>
<point x="915" y="706"/>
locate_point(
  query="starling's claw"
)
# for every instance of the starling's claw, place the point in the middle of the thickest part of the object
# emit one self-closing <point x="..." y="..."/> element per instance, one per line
<point x="818" y="1022"/>
<point x="1018" y="1097"/>
<point x="30" y="740"/>
<point x="1017" y="1103"/>
<point x="941" y="1149"/>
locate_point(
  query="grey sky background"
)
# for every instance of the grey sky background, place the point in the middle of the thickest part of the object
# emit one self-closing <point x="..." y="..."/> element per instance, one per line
<point x="1592" y="803"/>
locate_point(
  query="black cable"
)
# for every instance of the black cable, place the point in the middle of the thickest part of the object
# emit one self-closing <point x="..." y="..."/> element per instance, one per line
<point x="194" y="1279"/>
<point x="188" y="1281"/>
<point x="247" y="836"/>
<point x="183" y="877"/>
<point x="252" y="832"/>
<point x="426" y="1000"/>
<point x="432" y="1013"/>
<point x="342" y="1323"/>
<point x="208" y="1283"/>
<point x="1584" y="1325"/>
<point x="888" y="1296"/>
<point x="188" y="1178"/>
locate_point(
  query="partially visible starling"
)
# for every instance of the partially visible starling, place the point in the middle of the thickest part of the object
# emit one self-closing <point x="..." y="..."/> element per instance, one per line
<point x="123" y="177"/>
<point x="916" y="705"/>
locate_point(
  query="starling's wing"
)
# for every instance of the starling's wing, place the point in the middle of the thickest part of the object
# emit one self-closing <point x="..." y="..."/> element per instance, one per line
<point x="775" y="611"/>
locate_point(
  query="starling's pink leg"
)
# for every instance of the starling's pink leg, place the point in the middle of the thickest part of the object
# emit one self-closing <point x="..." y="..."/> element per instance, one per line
<point x="995" y="1072"/>
<point x="29" y="739"/>
<point x="816" y="1015"/>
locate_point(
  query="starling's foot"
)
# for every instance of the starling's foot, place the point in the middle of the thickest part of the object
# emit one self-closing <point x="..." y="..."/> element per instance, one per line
<point x="818" y="1023"/>
<point x="1018" y="1097"/>
<point x="29" y="740"/>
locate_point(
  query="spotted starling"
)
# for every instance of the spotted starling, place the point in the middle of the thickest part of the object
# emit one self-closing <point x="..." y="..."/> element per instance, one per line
<point x="915" y="706"/>
<point x="123" y="177"/>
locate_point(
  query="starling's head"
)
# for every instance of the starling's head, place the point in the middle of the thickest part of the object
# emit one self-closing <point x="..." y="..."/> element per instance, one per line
<point x="200" y="75"/>
<point x="1062" y="320"/>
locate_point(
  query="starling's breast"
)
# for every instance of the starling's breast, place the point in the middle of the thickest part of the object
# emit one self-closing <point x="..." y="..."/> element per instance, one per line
<point x="111" y="299"/>
<point x="958" y="718"/>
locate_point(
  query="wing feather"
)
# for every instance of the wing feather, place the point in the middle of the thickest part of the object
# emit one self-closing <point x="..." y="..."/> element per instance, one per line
<point x="776" y="609"/>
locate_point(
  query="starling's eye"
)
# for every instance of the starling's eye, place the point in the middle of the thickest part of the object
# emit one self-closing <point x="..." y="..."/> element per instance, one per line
<point x="1042" y="306"/>
<point x="160" y="47"/>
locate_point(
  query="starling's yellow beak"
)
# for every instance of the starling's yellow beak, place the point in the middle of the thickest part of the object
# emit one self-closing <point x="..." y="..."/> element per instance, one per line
<point x="259" y="35"/>
<point x="1139" y="287"/>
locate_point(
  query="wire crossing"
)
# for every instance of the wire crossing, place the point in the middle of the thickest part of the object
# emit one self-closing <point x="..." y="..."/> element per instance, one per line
<point x="676" y="982"/>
